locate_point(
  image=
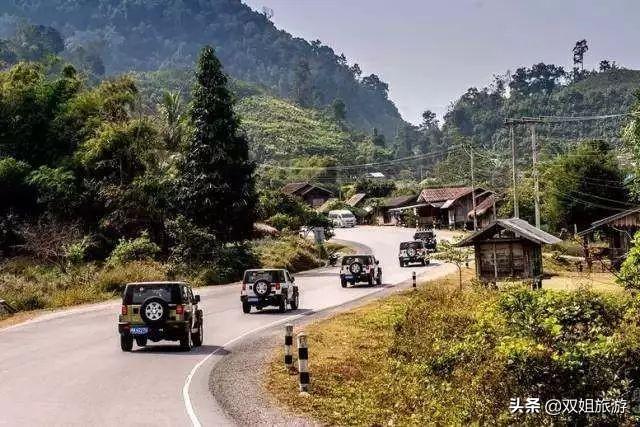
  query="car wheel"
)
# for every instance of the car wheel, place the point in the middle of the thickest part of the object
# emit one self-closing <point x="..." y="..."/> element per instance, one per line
<point x="428" y="262"/>
<point x="343" y="283"/>
<point x="370" y="281"/>
<point x="141" y="341"/>
<point x="401" y="264"/>
<point x="185" y="342"/>
<point x="246" y="307"/>
<point x="282" y="307"/>
<point x="126" y="342"/>
<point x="424" y="263"/>
<point x="296" y="302"/>
<point x="379" y="281"/>
<point x="198" y="337"/>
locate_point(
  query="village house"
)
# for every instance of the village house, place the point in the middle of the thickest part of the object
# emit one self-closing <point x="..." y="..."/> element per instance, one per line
<point x="388" y="211"/>
<point x="618" y="230"/>
<point x="311" y="194"/>
<point x="509" y="249"/>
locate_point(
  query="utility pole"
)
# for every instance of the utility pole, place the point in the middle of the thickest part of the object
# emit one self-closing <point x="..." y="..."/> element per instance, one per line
<point x="536" y="187"/>
<point x="473" y="194"/>
<point x="516" y="212"/>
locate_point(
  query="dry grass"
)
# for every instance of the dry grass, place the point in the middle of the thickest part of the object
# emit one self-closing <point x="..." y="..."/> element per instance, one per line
<point x="416" y="358"/>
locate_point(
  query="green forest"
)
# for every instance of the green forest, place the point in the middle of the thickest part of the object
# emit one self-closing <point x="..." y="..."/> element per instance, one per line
<point x="112" y="36"/>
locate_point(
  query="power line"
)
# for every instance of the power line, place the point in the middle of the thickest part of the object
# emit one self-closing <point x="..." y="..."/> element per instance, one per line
<point x="363" y="165"/>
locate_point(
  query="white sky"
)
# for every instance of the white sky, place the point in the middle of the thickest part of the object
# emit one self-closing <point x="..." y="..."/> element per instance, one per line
<point x="430" y="52"/>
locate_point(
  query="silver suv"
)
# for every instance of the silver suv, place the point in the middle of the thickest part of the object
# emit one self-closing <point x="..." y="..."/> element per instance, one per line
<point x="269" y="287"/>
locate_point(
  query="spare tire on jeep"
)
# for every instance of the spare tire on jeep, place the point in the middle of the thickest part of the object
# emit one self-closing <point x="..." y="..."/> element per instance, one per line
<point x="154" y="310"/>
<point x="355" y="268"/>
<point x="262" y="288"/>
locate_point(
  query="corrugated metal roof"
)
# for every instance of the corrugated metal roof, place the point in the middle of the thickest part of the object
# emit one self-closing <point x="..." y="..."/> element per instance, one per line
<point x="355" y="199"/>
<point x="443" y="193"/>
<point x="294" y="187"/>
<point x="394" y="202"/>
<point x="518" y="226"/>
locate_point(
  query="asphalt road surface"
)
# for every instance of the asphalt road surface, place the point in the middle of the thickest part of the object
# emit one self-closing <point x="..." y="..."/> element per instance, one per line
<point x="67" y="368"/>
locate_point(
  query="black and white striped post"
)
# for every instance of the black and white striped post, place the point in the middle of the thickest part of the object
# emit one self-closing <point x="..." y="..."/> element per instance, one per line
<point x="288" y="343"/>
<point x="303" y="362"/>
<point x="414" y="279"/>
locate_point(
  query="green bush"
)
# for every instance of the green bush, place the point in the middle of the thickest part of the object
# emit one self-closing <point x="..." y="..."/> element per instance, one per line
<point x="629" y="275"/>
<point x="140" y="248"/>
<point x="283" y="221"/>
<point x="76" y="253"/>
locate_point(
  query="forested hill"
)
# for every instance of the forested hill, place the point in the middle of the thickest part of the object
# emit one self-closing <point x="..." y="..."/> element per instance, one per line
<point x="545" y="90"/>
<point x="146" y="35"/>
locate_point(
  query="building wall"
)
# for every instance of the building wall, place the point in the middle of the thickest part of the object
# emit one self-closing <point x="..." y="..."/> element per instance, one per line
<point x="515" y="259"/>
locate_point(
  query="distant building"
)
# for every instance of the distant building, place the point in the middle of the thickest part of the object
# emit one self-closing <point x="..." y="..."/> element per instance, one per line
<point x="375" y="175"/>
<point x="509" y="249"/>
<point x="311" y="194"/>
<point x="356" y="199"/>
<point x="387" y="212"/>
<point x="618" y="231"/>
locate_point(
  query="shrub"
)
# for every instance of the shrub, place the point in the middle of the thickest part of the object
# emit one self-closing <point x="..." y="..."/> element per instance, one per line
<point x="629" y="275"/>
<point x="76" y="253"/>
<point x="283" y="221"/>
<point x="192" y="246"/>
<point x="140" y="248"/>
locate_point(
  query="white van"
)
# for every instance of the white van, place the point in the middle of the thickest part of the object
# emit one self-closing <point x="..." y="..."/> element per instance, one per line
<point x="342" y="218"/>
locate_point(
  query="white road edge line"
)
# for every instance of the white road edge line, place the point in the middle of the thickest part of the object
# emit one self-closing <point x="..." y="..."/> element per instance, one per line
<point x="185" y="389"/>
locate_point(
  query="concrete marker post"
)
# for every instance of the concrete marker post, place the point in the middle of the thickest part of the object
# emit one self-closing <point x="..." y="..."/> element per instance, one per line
<point x="414" y="279"/>
<point x="303" y="362"/>
<point x="288" y="343"/>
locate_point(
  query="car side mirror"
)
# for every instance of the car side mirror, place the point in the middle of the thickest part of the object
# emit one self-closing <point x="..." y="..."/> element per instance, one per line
<point x="196" y="298"/>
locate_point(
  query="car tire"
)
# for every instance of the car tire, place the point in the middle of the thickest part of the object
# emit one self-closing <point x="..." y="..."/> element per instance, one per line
<point x="126" y="342"/>
<point x="141" y="341"/>
<point x="343" y="283"/>
<point x="401" y="264"/>
<point x="282" y="306"/>
<point x="370" y="281"/>
<point x="198" y="337"/>
<point x="295" y="303"/>
<point x="424" y="263"/>
<point x="427" y="262"/>
<point x="154" y="320"/>
<point x="246" y="307"/>
<point x="185" y="342"/>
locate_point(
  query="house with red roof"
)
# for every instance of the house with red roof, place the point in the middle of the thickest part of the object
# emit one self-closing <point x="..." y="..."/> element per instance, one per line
<point x="453" y="207"/>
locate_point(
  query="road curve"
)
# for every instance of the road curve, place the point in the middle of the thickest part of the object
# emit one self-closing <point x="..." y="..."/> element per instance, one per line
<point x="67" y="368"/>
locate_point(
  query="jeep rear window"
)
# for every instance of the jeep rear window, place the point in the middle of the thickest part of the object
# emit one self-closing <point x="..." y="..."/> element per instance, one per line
<point x="425" y="235"/>
<point x="137" y="294"/>
<point x="271" y="276"/>
<point x="413" y="245"/>
<point x="365" y="260"/>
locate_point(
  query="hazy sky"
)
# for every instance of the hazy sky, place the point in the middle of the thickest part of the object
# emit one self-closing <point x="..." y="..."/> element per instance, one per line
<point x="430" y="52"/>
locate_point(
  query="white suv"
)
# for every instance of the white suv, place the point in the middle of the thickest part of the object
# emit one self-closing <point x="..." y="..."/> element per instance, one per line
<point x="269" y="287"/>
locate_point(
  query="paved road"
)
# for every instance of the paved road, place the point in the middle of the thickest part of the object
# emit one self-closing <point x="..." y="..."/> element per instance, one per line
<point x="67" y="368"/>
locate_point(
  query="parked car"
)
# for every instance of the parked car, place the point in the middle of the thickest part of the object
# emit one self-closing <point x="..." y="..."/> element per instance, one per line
<point x="413" y="252"/>
<point x="428" y="237"/>
<point x="360" y="268"/>
<point x="342" y="218"/>
<point x="269" y="287"/>
<point x="160" y="311"/>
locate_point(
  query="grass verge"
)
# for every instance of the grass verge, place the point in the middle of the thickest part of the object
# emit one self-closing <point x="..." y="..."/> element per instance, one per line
<point x="442" y="356"/>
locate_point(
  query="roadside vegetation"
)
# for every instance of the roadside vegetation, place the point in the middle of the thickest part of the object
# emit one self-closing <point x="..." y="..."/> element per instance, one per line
<point x="443" y="356"/>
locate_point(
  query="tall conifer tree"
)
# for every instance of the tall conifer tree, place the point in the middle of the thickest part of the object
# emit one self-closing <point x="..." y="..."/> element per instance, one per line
<point x="216" y="186"/>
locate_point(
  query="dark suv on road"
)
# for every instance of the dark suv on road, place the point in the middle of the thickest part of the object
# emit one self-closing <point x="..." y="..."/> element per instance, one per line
<point x="428" y="237"/>
<point x="413" y="252"/>
<point x="160" y="311"/>
<point x="360" y="268"/>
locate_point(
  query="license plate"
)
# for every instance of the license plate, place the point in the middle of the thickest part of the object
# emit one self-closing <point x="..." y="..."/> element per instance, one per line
<point x="139" y="331"/>
<point x="348" y="276"/>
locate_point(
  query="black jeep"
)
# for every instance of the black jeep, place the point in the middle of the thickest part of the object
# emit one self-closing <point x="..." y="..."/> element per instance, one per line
<point x="428" y="237"/>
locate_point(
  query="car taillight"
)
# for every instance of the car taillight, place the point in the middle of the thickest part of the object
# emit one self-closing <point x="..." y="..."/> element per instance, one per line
<point x="179" y="309"/>
<point x="277" y="286"/>
<point x="125" y="310"/>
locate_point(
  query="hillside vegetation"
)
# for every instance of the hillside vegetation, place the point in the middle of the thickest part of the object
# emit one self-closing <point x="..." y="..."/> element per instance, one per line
<point x="115" y="36"/>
